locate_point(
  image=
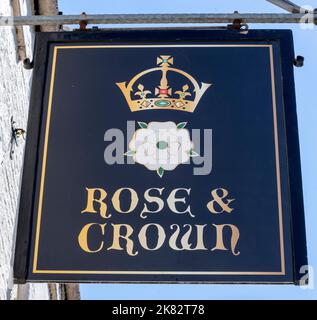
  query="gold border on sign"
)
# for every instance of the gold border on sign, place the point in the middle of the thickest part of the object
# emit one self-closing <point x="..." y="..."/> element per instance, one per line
<point x="42" y="181"/>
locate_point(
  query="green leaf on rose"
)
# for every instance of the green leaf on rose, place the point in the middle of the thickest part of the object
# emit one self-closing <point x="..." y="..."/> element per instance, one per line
<point x="160" y="172"/>
<point x="143" y="125"/>
<point x="192" y="153"/>
<point x="181" y="125"/>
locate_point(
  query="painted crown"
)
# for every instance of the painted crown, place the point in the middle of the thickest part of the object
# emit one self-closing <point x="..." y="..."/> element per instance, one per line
<point x="164" y="96"/>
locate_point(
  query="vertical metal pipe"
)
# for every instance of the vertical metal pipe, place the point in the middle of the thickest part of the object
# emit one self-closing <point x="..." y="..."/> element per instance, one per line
<point x="48" y="8"/>
<point x="19" y="31"/>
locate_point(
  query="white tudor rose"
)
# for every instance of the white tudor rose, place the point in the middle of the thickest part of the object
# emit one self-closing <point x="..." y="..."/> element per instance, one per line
<point x="161" y="146"/>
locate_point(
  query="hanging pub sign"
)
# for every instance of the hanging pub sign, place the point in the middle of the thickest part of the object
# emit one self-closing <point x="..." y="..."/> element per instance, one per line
<point x="162" y="156"/>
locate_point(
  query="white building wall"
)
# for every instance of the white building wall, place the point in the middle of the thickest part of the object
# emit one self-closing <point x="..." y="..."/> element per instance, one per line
<point x="15" y="84"/>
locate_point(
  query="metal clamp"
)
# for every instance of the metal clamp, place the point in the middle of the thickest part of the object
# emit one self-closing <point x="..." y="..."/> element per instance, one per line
<point x="28" y="64"/>
<point x="238" y="24"/>
<point x="16" y="133"/>
<point x="299" y="61"/>
<point x="83" y="23"/>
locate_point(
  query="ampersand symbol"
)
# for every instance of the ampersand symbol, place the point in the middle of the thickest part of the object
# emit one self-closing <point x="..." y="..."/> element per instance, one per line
<point x="219" y="198"/>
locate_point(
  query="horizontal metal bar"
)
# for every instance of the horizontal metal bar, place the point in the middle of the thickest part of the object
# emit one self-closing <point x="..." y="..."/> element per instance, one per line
<point x="158" y="18"/>
<point x="287" y="5"/>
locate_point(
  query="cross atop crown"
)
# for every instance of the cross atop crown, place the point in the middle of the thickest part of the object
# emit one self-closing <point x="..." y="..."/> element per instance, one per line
<point x="164" y="61"/>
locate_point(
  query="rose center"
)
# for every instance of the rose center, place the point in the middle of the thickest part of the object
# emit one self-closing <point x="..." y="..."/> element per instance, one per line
<point x="162" y="145"/>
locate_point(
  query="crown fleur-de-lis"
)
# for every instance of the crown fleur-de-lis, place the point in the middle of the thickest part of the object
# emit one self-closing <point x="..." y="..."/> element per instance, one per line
<point x="164" y="97"/>
<point x="183" y="94"/>
<point x="142" y="93"/>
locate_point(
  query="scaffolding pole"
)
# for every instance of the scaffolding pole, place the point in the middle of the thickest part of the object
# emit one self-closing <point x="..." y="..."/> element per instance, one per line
<point x="287" y="5"/>
<point x="308" y="17"/>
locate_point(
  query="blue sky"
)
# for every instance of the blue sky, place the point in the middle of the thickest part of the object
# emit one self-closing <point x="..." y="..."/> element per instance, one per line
<point x="305" y="78"/>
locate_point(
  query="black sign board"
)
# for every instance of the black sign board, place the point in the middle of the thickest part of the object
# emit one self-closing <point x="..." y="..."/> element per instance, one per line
<point x="162" y="156"/>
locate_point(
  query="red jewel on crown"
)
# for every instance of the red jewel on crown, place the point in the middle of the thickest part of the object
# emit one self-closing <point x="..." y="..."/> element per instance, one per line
<point x="163" y="91"/>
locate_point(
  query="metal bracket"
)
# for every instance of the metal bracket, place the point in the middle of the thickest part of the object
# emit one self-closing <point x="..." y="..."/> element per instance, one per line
<point x="161" y="18"/>
<point x="16" y="133"/>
